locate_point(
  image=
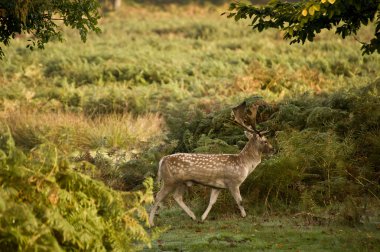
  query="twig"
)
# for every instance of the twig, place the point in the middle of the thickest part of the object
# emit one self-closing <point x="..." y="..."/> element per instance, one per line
<point x="360" y="183"/>
<point x="356" y="38"/>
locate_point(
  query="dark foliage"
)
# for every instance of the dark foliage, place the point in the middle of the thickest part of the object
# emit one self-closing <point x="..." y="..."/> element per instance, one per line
<point x="40" y="18"/>
<point x="302" y="20"/>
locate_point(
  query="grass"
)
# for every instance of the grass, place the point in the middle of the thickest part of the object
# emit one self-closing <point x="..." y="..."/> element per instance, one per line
<point x="196" y="54"/>
<point x="162" y="79"/>
<point x="260" y="233"/>
<point x="72" y="130"/>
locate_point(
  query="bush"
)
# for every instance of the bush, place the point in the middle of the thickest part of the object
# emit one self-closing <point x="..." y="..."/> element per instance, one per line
<point x="324" y="116"/>
<point x="46" y="205"/>
<point x="308" y="162"/>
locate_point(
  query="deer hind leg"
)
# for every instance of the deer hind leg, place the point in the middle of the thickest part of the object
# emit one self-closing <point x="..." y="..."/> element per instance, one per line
<point x="178" y="197"/>
<point x="161" y="195"/>
<point x="213" y="197"/>
<point x="235" y="191"/>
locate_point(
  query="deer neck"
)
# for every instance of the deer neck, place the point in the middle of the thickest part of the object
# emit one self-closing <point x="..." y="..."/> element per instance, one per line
<point x="250" y="156"/>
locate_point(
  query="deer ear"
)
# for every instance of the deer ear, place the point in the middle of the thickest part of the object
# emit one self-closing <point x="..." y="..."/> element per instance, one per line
<point x="248" y="134"/>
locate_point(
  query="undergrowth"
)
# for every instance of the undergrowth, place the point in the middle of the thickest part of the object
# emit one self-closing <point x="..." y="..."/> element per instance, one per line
<point x="46" y="204"/>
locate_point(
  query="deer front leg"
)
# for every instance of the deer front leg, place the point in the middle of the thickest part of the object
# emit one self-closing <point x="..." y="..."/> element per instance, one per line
<point x="213" y="197"/>
<point x="235" y="191"/>
<point x="178" y="197"/>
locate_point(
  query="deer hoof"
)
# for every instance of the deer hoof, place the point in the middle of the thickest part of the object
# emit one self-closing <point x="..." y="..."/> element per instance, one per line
<point x="243" y="214"/>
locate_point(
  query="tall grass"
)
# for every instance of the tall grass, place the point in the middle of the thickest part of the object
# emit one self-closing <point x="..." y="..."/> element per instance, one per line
<point x="73" y="131"/>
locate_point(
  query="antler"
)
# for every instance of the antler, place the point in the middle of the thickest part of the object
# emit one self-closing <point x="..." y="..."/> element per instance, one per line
<point x="243" y="115"/>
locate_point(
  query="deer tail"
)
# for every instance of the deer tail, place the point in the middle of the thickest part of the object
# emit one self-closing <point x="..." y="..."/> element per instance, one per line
<point x="159" y="173"/>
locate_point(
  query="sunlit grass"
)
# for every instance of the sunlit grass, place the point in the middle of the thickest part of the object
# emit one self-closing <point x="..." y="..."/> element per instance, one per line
<point x="72" y="131"/>
<point x="180" y="55"/>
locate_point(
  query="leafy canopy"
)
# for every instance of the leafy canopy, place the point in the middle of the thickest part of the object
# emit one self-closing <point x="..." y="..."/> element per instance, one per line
<point x="40" y="18"/>
<point x="302" y="20"/>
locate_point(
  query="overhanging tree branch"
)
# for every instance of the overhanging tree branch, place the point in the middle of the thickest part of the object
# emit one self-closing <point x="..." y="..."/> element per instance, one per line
<point x="302" y="20"/>
<point x="37" y="17"/>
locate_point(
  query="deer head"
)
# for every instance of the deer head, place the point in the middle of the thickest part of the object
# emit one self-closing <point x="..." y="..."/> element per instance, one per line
<point x="259" y="142"/>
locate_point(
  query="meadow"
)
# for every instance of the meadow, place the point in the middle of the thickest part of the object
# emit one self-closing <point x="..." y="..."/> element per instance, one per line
<point x="83" y="127"/>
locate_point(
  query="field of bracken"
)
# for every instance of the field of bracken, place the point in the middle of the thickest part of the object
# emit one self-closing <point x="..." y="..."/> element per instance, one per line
<point x="84" y="125"/>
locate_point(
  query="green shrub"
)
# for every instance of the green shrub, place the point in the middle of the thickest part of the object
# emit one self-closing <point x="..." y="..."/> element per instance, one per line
<point x="307" y="161"/>
<point x="324" y="116"/>
<point x="46" y="205"/>
<point x="144" y="164"/>
<point x="208" y="145"/>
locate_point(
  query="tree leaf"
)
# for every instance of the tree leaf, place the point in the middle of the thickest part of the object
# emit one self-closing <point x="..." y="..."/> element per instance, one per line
<point x="291" y="31"/>
<point x="311" y="11"/>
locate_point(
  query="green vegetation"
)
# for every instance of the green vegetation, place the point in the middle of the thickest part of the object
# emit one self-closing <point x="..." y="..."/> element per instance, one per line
<point x="298" y="233"/>
<point x="38" y="19"/>
<point x="47" y="204"/>
<point x="304" y="19"/>
<point x="91" y="121"/>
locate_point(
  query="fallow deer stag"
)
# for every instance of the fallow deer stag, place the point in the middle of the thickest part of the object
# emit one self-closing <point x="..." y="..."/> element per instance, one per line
<point x="218" y="171"/>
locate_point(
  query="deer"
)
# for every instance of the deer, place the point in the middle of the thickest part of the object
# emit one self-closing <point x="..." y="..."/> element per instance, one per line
<point x="217" y="171"/>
